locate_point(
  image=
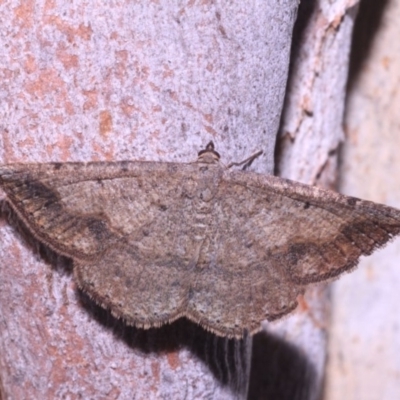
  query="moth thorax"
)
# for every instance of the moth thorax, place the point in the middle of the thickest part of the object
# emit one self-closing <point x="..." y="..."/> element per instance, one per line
<point x="208" y="158"/>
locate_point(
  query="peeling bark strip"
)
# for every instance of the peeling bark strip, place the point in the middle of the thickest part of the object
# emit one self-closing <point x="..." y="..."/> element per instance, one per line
<point x="154" y="241"/>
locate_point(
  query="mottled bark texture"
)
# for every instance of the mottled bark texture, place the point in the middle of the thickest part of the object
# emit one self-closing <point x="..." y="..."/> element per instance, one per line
<point x="138" y="80"/>
<point x="311" y="131"/>
<point x="364" y="341"/>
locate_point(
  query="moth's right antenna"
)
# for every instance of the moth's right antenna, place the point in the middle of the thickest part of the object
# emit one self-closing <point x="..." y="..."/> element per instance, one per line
<point x="247" y="162"/>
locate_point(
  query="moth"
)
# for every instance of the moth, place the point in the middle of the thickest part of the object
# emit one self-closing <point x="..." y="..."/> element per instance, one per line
<point x="156" y="241"/>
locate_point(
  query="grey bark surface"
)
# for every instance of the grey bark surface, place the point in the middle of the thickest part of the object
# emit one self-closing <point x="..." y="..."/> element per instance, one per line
<point x="126" y="81"/>
<point x="310" y="134"/>
<point x="365" y="343"/>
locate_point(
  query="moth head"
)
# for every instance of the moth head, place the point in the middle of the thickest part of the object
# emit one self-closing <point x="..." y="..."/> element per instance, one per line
<point x="208" y="155"/>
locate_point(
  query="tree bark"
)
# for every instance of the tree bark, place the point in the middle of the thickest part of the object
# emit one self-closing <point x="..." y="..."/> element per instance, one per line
<point x="151" y="81"/>
<point x="157" y="81"/>
<point x="310" y="135"/>
<point x="365" y="343"/>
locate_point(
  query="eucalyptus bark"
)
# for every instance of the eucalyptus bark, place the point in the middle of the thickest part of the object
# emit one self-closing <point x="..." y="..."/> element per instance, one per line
<point x="365" y="342"/>
<point x="150" y="81"/>
<point x="310" y="135"/>
<point x="157" y="82"/>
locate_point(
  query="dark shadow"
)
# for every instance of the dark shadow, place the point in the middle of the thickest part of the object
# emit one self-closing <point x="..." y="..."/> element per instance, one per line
<point x="280" y="371"/>
<point x="225" y="358"/>
<point x="368" y="22"/>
